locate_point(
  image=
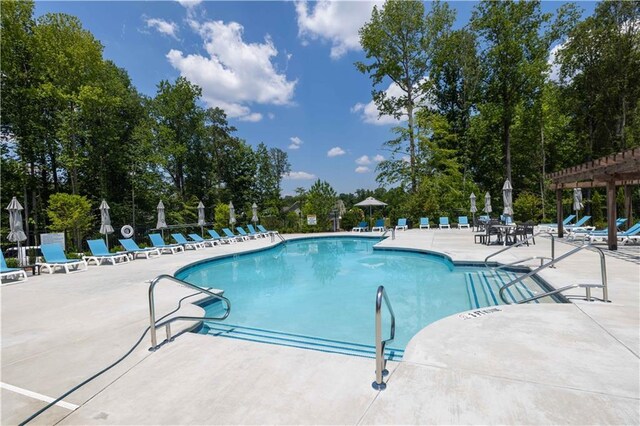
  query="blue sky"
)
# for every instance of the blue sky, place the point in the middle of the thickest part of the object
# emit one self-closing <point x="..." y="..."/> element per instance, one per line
<point x="283" y="72"/>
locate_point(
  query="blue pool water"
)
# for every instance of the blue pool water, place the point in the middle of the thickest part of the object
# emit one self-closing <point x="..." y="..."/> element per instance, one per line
<point x="325" y="287"/>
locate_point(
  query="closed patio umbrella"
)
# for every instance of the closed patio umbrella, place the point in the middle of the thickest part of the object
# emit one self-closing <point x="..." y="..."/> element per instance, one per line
<point x="473" y="209"/>
<point x="370" y="202"/>
<point x="105" y="222"/>
<point x="162" y="223"/>
<point x="232" y="214"/>
<point x="201" y="220"/>
<point x="254" y="209"/>
<point x="577" y="200"/>
<point x="487" y="203"/>
<point x="16" y="233"/>
<point x="507" y="193"/>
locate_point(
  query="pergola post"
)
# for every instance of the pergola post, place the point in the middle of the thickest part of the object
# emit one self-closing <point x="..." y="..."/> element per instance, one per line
<point x="612" y="215"/>
<point x="559" y="213"/>
<point x="628" y="210"/>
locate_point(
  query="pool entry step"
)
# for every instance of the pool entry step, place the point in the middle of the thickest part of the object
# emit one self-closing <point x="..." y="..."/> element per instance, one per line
<point x="483" y="288"/>
<point x="296" y="340"/>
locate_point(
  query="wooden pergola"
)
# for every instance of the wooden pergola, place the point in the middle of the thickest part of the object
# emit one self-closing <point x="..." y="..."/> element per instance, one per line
<point x="612" y="171"/>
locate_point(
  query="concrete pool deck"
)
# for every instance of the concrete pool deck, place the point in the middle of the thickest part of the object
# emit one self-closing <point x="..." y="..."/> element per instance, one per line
<point x="572" y="363"/>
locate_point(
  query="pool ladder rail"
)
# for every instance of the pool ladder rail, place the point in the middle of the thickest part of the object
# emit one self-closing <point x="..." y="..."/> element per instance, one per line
<point x="381" y="362"/>
<point x="167" y="324"/>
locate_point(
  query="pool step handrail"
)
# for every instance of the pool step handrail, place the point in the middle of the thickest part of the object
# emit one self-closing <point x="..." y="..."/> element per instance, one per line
<point x="167" y="324"/>
<point x="603" y="276"/>
<point x="381" y="362"/>
<point x="519" y="243"/>
<point x="393" y="233"/>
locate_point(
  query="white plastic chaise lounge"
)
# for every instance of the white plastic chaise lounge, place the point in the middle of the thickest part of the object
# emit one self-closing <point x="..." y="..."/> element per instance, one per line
<point x="583" y="233"/>
<point x="463" y="222"/>
<point x="252" y="231"/>
<point x="11" y="273"/>
<point x="379" y="226"/>
<point x="100" y="253"/>
<point x="244" y="234"/>
<point x="362" y="227"/>
<point x="402" y="224"/>
<point x="134" y="250"/>
<point x="628" y="236"/>
<point x="265" y="231"/>
<point x="424" y="223"/>
<point x="554" y="226"/>
<point x="198" y="239"/>
<point x="158" y="242"/>
<point x="231" y="236"/>
<point x="54" y="257"/>
<point x="216" y="237"/>
<point x="444" y="223"/>
<point x="188" y="245"/>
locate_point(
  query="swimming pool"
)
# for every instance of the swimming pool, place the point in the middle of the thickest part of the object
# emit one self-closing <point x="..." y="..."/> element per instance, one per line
<point x="325" y="288"/>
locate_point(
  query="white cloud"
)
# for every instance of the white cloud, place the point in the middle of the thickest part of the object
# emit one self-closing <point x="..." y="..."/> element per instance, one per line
<point x="362" y="169"/>
<point x="234" y="74"/>
<point x="406" y="159"/>
<point x="253" y="117"/>
<point x="378" y="158"/>
<point x="370" y="114"/>
<point x="364" y="160"/>
<point x="299" y="176"/>
<point x="337" y="22"/>
<point x="335" y="151"/>
<point x="162" y="26"/>
<point x="271" y="116"/>
<point x="295" y="142"/>
<point x="554" y="67"/>
<point x="189" y="3"/>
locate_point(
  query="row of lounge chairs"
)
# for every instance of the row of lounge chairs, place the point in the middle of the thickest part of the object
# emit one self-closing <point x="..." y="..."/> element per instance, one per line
<point x="55" y="258"/>
<point x="463" y="222"/>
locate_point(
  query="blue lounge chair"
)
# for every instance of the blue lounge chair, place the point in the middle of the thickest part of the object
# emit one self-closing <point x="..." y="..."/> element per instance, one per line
<point x="263" y="230"/>
<point x="244" y="233"/>
<point x="216" y="237"/>
<point x="198" y="239"/>
<point x="231" y="236"/>
<point x="424" y="223"/>
<point x="193" y="245"/>
<point x="252" y="231"/>
<point x="628" y="236"/>
<point x="362" y="227"/>
<point x="402" y="224"/>
<point x="379" y="227"/>
<point x="567" y="220"/>
<point x="11" y="273"/>
<point x="584" y="232"/>
<point x="463" y="222"/>
<point x="54" y="257"/>
<point x="158" y="242"/>
<point x="133" y="250"/>
<point x="579" y="224"/>
<point x="444" y="223"/>
<point x="100" y="253"/>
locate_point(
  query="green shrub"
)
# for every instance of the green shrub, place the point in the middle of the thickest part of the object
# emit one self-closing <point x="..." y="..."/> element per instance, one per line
<point x="70" y="214"/>
<point x="12" y="262"/>
<point x="351" y="218"/>
<point x="527" y="207"/>
<point x="221" y="216"/>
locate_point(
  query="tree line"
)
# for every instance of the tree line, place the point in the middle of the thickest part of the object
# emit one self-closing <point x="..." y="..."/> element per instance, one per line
<point x="72" y="122"/>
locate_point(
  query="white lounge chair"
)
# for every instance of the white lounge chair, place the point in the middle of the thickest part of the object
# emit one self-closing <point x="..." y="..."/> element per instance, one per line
<point x="54" y="257"/>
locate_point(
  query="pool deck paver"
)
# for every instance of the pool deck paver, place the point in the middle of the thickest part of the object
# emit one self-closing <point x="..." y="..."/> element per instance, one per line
<point x="531" y="364"/>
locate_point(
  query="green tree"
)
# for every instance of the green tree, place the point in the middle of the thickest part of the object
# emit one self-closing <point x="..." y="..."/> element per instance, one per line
<point x="70" y="214"/>
<point x="320" y="200"/>
<point x="399" y="41"/>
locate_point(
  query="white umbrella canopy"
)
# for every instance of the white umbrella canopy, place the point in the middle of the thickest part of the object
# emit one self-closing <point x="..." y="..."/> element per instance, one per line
<point x="473" y="207"/>
<point x="487" y="203"/>
<point x="577" y="199"/>
<point x="507" y="193"/>
<point x="201" y="220"/>
<point x="162" y="222"/>
<point x="16" y="233"/>
<point x="370" y="202"/>
<point x="254" y="209"/>
<point x="232" y="214"/>
<point x="105" y="221"/>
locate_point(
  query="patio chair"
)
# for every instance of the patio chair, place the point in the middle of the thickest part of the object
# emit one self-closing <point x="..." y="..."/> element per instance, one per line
<point x="584" y="233"/>
<point x="628" y="236"/>
<point x="402" y="225"/>
<point x="362" y="227"/>
<point x="463" y="222"/>
<point x="216" y="237"/>
<point x="565" y="222"/>
<point x="54" y="257"/>
<point x="100" y="253"/>
<point x="444" y="223"/>
<point x="11" y="273"/>
<point x="252" y="231"/>
<point x="193" y="245"/>
<point x="424" y="223"/>
<point x="231" y="236"/>
<point x="158" y="242"/>
<point x="198" y="239"/>
<point x="263" y="230"/>
<point x="244" y="233"/>
<point x="379" y="227"/>
<point x="133" y="250"/>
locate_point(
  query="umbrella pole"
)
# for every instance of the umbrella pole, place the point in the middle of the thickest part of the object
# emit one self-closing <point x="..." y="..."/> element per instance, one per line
<point x="19" y="255"/>
<point x="106" y="240"/>
<point x="202" y="231"/>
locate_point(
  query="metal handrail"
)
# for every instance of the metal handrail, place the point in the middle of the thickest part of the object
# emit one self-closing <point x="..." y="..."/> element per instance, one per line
<point x="393" y="233"/>
<point x="519" y="243"/>
<point x="603" y="274"/>
<point x="273" y="235"/>
<point x="167" y="323"/>
<point x="380" y="344"/>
